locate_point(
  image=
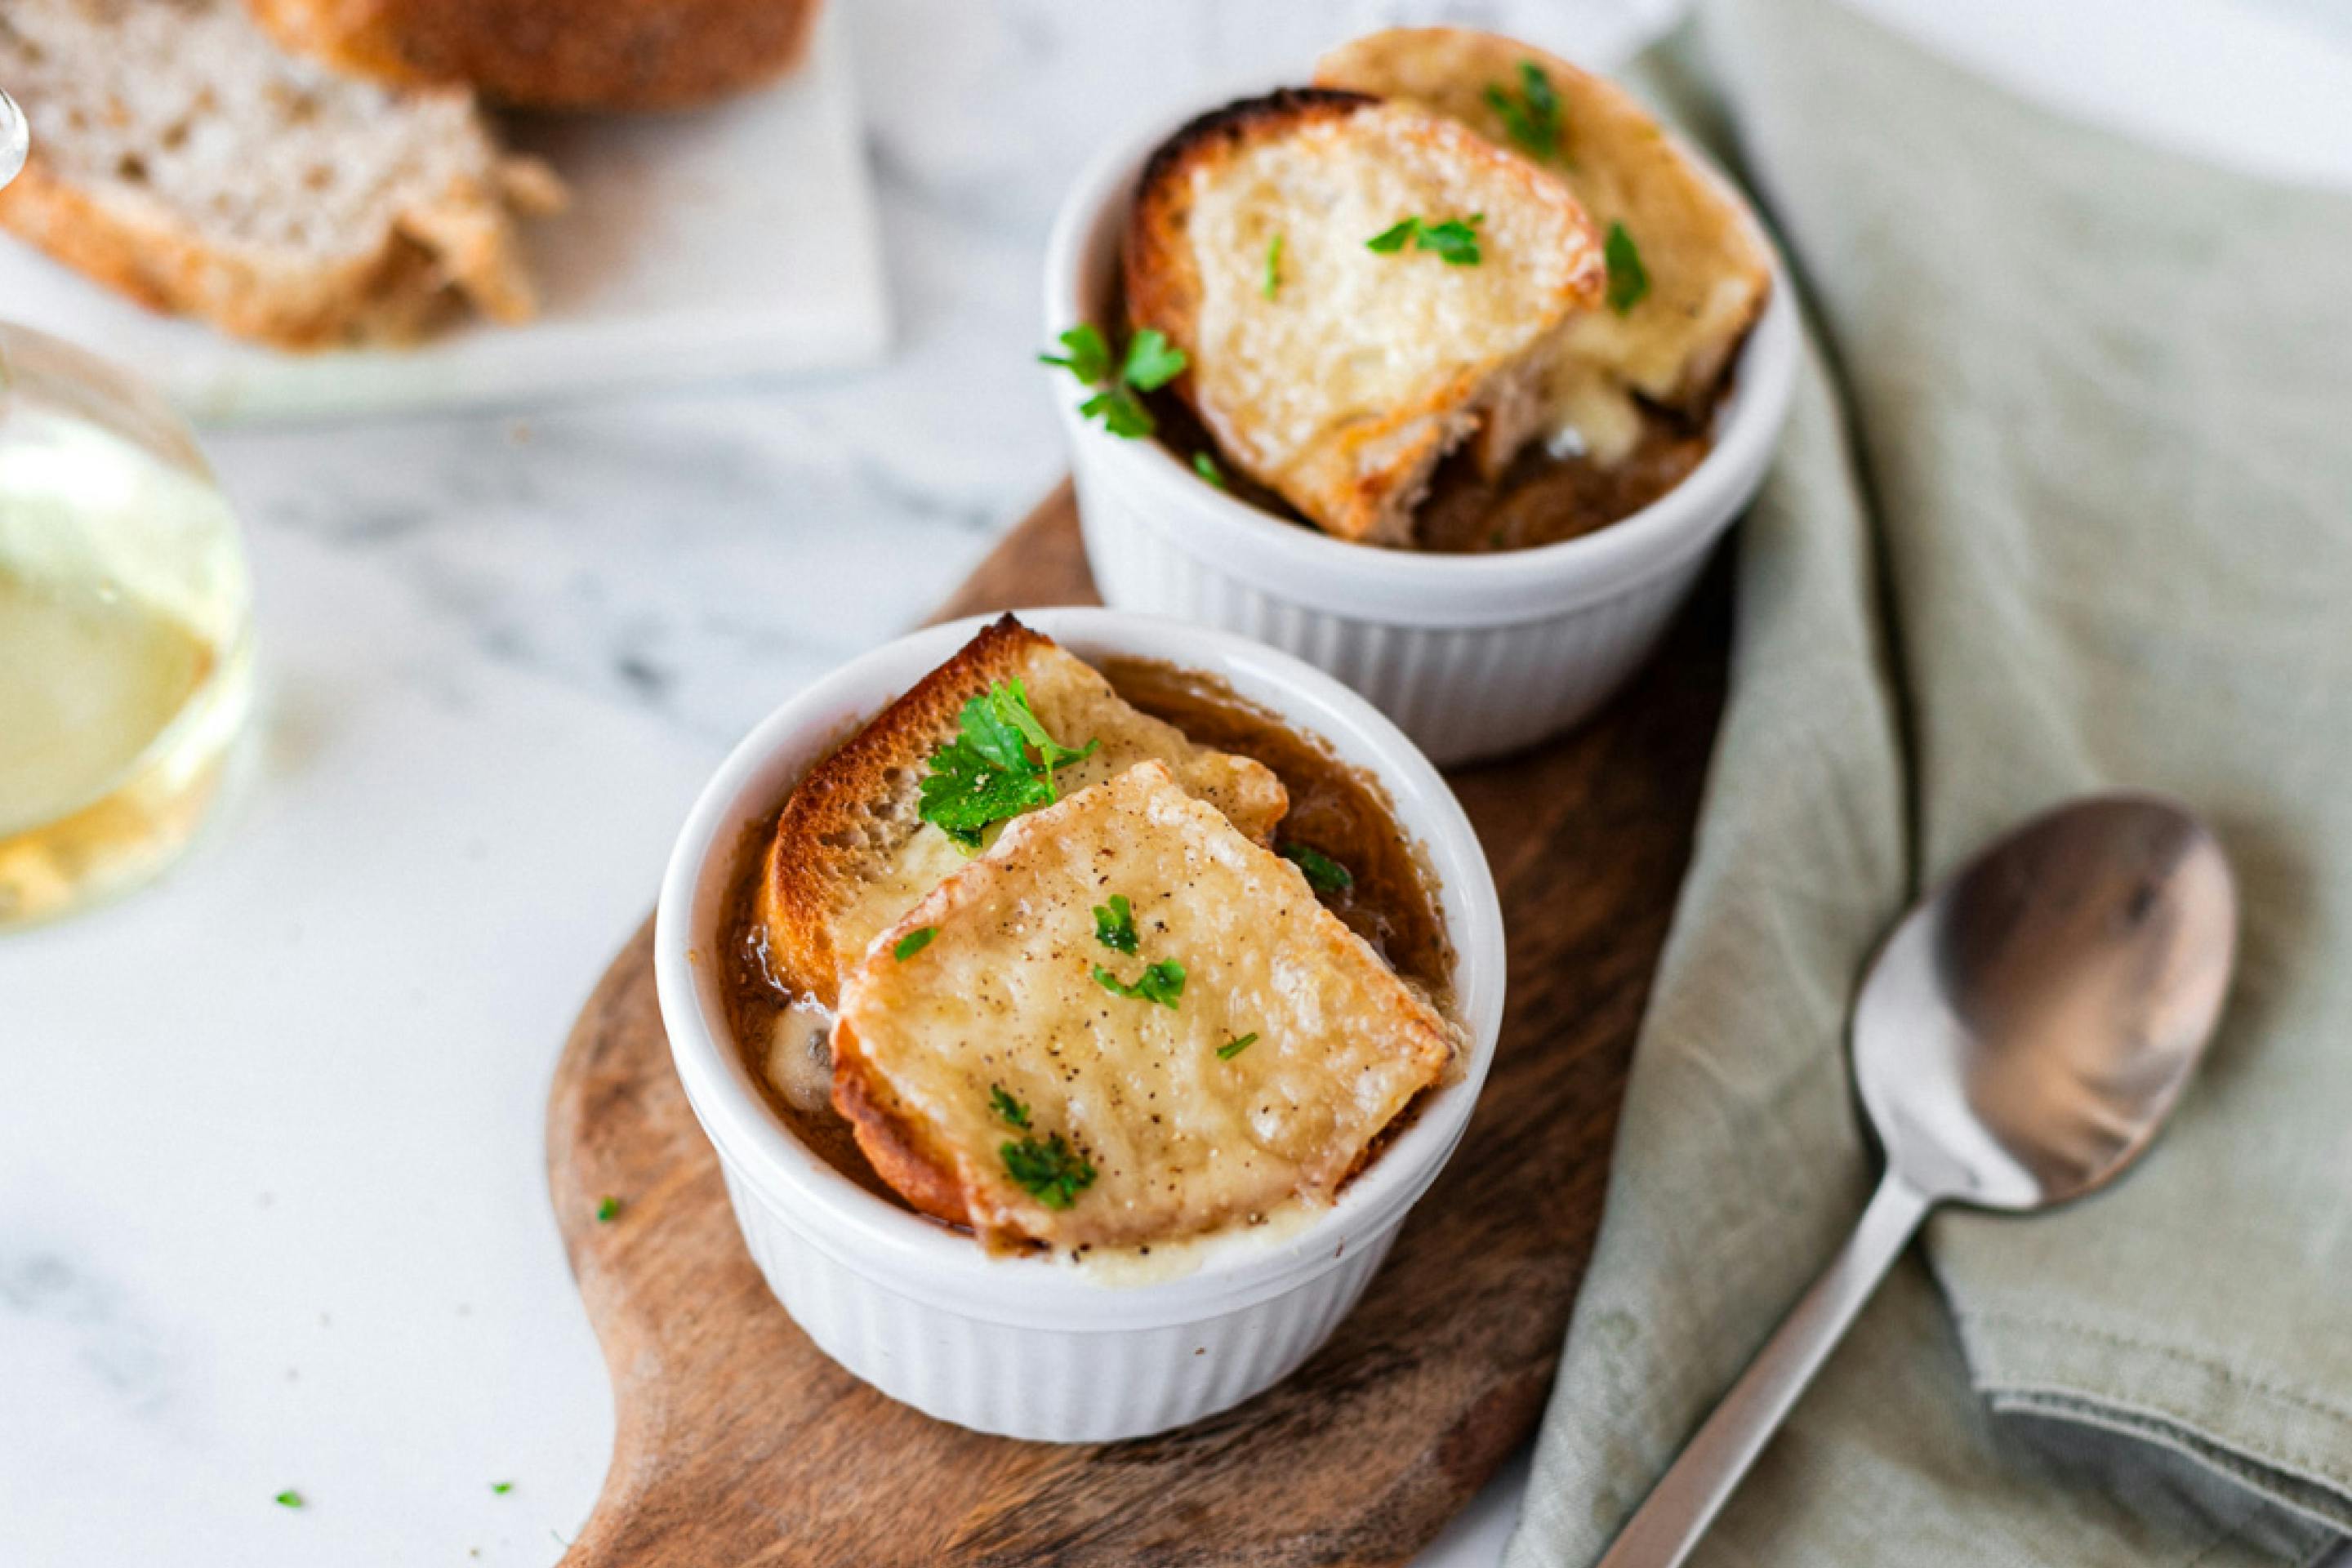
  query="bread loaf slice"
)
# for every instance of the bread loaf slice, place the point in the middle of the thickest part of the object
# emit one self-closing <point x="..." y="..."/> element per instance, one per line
<point x="180" y="158"/>
<point x="1708" y="268"/>
<point x="1342" y="385"/>
<point x="978" y="1066"/>
<point x="851" y="852"/>
<point x="555" y="54"/>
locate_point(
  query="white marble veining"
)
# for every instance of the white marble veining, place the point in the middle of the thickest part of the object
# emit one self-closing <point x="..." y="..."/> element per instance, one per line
<point x="272" y="1211"/>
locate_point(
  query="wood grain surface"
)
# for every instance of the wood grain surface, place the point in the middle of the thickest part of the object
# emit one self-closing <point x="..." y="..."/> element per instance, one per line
<point x="739" y="1442"/>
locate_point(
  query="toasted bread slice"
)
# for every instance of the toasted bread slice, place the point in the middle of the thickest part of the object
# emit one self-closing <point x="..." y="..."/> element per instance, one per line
<point x="1343" y="386"/>
<point x="851" y="854"/>
<point x="1710" y="268"/>
<point x="1004" y="1000"/>
<point x="180" y="159"/>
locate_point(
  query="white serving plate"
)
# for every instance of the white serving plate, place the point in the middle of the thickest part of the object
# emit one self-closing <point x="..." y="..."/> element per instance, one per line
<point x="720" y="242"/>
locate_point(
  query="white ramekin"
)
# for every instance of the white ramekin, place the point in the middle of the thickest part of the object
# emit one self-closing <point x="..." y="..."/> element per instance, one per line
<point x="1474" y="656"/>
<point x="1023" y="1346"/>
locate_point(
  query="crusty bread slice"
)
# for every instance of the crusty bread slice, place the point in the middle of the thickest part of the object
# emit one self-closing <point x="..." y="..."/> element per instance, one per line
<point x="1710" y="268"/>
<point x="850" y="853"/>
<point x="1181" y="1130"/>
<point x="555" y="54"/>
<point x="180" y="158"/>
<point x="1343" y="387"/>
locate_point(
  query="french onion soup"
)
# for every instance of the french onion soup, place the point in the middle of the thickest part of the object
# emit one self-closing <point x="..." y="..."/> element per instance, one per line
<point x="1088" y="958"/>
<point x="1457" y="295"/>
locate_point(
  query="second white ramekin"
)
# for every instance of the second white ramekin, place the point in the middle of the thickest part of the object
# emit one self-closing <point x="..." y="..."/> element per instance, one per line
<point x="1032" y="1347"/>
<point x="1474" y="656"/>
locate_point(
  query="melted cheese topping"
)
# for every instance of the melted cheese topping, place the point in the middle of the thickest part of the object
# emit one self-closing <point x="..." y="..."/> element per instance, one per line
<point x="1707" y="266"/>
<point x="1076" y="704"/>
<point x="1182" y="1141"/>
<point x="1352" y="335"/>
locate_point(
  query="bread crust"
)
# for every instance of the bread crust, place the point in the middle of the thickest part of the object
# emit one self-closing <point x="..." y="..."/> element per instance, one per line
<point x="438" y="260"/>
<point x="555" y="54"/>
<point x="1360" y="480"/>
<point x="893" y="1143"/>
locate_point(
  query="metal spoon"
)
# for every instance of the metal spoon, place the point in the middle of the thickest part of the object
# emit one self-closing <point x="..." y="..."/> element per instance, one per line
<point x="2019" y="1038"/>
<point x="15" y="138"/>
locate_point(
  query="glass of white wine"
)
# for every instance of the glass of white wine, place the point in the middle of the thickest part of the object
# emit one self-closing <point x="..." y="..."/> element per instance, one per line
<point x="126" y="659"/>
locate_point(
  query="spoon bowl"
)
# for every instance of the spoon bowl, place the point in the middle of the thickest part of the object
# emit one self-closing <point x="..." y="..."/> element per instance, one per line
<point x="2027" y="1027"/>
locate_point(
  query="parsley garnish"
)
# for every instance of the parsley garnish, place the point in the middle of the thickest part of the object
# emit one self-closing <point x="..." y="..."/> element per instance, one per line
<point x="1628" y="281"/>
<point x="1206" y="467"/>
<point x="1162" y="983"/>
<point x="1324" y="874"/>
<point x="1233" y="1048"/>
<point x="606" y="1210"/>
<point x="290" y="1499"/>
<point x="1533" y="121"/>
<point x="913" y="943"/>
<point x="987" y="774"/>
<point x="1114" y="926"/>
<point x="1273" y="267"/>
<point x="1152" y="361"/>
<point x="1004" y="1105"/>
<point x="500" y="1489"/>
<point x="1051" y="1172"/>
<point x="1455" y="240"/>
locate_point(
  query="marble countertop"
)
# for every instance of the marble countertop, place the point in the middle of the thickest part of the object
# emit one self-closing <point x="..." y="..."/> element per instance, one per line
<point x="272" y="1206"/>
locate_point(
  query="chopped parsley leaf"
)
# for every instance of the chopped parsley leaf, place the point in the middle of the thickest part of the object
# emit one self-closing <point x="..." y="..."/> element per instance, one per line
<point x="1206" y="467"/>
<point x="986" y="774"/>
<point x="1628" y="281"/>
<point x="607" y="1210"/>
<point x="1273" y="267"/>
<point x="1001" y="1102"/>
<point x="1324" y="874"/>
<point x="500" y="1489"/>
<point x="1233" y="1048"/>
<point x="1122" y="414"/>
<point x="1532" y="119"/>
<point x="1162" y="983"/>
<point x="290" y="1499"/>
<point x="1089" y="356"/>
<point x="1151" y="362"/>
<point x="913" y="943"/>
<point x="1114" y="925"/>
<point x="1051" y="1172"/>
<point x="1455" y="241"/>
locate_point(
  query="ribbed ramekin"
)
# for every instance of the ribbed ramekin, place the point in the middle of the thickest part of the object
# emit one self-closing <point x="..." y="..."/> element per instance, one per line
<point x="1474" y="656"/>
<point x="1033" y="1347"/>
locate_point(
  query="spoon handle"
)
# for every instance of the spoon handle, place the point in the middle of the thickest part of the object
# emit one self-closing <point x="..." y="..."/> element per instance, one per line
<point x="1689" y="1495"/>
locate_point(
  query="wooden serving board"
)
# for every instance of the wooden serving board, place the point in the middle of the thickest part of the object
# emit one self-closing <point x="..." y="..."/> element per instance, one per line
<point x="739" y="1442"/>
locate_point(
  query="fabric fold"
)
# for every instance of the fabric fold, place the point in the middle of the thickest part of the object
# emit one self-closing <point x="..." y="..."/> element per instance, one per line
<point x="2087" y="457"/>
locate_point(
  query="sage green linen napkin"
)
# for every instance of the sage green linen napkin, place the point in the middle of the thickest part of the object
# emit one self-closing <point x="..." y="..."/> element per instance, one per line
<point x="2073" y="509"/>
